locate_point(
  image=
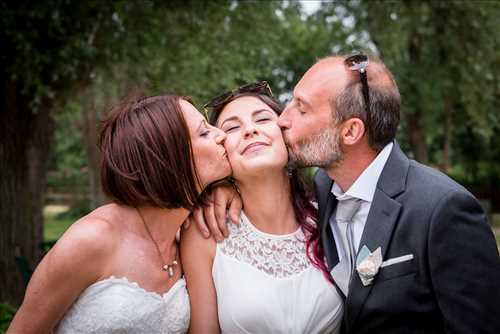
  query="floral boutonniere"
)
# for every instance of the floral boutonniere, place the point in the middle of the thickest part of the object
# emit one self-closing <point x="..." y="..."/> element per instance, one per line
<point x="368" y="264"/>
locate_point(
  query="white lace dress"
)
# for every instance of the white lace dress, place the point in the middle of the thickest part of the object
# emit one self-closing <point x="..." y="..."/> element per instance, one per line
<point x="115" y="305"/>
<point x="266" y="284"/>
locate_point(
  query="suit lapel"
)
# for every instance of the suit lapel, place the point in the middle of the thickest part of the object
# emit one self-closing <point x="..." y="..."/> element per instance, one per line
<point x="327" y="239"/>
<point x="327" y="203"/>
<point x="379" y="227"/>
<point x="378" y="230"/>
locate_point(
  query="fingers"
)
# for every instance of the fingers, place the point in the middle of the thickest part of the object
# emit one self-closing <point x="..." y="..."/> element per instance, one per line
<point x="197" y="216"/>
<point x="226" y="197"/>
<point x="208" y="212"/>
<point x="235" y="208"/>
<point x="220" y="204"/>
<point x="215" y="215"/>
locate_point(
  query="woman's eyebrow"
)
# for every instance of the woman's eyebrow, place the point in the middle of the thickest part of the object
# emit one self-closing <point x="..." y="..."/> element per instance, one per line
<point x="259" y="111"/>
<point x="254" y="113"/>
<point x="232" y="118"/>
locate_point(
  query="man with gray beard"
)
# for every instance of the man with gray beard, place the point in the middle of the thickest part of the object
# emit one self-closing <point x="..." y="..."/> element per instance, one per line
<point x="321" y="150"/>
<point x="410" y="250"/>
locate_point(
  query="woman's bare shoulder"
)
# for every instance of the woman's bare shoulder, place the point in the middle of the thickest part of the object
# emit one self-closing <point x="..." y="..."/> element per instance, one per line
<point x="92" y="237"/>
<point x="193" y="242"/>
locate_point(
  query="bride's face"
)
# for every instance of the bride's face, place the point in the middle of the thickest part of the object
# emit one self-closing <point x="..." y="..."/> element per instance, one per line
<point x="254" y="142"/>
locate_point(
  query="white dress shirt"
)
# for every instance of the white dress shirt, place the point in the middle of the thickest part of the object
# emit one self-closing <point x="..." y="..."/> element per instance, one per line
<point x="363" y="188"/>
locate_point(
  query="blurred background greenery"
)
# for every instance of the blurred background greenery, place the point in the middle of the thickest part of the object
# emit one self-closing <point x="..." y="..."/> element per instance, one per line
<point x="64" y="62"/>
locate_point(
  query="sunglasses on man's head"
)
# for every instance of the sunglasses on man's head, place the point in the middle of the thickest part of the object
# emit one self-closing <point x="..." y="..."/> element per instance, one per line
<point x="359" y="63"/>
<point x="220" y="100"/>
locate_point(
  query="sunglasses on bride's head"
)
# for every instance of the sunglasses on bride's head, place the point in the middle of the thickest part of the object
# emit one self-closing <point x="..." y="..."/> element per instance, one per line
<point x="359" y="63"/>
<point x="226" y="97"/>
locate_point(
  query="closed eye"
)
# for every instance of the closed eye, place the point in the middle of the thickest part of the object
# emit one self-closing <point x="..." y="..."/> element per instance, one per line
<point x="300" y="107"/>
<point x="232" y="128"/>
<point x="263" y="120"/>
<point x="203" y="129"/>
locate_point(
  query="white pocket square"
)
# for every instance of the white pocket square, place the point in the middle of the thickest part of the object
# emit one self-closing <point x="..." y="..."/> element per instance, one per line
<point x="368" y="263"/>
<point x="395" y="260"/>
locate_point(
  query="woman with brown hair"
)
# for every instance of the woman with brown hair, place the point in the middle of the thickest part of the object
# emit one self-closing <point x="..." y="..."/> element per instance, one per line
<point x="118" y="268"/>
<point x="268" y="275"/>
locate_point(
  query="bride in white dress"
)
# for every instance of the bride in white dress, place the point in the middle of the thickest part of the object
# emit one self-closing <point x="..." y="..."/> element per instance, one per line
<point x="267" y="276"/>
<point x="117" y="270"/>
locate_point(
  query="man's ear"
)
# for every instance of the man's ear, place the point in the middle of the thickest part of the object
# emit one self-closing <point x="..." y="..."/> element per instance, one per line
<point x="352" y="131"/>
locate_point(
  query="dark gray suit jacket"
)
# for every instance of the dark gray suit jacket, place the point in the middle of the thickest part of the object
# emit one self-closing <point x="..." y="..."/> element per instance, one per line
<point x="452" y="285"/>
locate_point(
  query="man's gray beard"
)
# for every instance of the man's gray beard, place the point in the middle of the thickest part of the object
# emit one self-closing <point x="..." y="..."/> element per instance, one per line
<point x="320" y="150"/>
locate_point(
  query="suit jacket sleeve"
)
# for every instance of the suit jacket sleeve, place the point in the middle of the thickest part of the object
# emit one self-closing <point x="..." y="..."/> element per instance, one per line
<point x="464" y="265"/>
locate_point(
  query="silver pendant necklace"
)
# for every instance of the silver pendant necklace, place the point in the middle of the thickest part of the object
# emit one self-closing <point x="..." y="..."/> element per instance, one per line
<point x="169" y="268"/>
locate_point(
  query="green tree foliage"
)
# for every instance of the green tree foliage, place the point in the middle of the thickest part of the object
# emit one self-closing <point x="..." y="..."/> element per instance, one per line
<point x="203" y="48"/>
<point x="6" y="314"/>
<point x="49" y="50"/>
<point x="446" y="61"/>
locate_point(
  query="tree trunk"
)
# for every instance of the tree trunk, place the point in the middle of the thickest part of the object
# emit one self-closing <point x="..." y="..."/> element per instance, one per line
<point x="417" y="137"/>
<point x="90" y="135"/>
<point x="417" y="131"/>
<point x="441" y="18"/>
<point x="25" y="144"/>
<point x="447" y="135"/>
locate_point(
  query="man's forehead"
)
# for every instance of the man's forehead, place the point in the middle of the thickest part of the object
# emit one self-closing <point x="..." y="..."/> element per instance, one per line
<point x="321" y="75"/>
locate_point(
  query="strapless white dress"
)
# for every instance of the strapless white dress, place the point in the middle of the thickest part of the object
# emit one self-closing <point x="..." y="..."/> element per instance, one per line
<point x="115" y="305"/>
<point x="266" y="284"/>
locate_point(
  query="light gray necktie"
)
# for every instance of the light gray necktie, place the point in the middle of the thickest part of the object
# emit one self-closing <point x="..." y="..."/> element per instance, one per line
<point x="346" y="209"/>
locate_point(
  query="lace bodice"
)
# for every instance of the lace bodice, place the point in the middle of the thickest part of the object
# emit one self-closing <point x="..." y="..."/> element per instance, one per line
<point x="277" y="255"/>
<point x="115" y="305"/>
<point x="266" y="284"/>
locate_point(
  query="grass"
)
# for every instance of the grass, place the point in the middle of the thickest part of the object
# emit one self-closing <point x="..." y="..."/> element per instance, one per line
<point x="6" y="315"/>
<point x="495" y="224"/>
<point x="495" y="220"/>
<point x="55" y="225"/>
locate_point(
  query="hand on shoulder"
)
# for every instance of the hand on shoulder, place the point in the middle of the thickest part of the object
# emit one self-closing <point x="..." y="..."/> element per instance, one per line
<point x="222" y="203"/>
<point x="193" y="242"/>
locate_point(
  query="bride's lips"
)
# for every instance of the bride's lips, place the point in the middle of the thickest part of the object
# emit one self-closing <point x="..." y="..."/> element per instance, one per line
<point x="253" y="146"/>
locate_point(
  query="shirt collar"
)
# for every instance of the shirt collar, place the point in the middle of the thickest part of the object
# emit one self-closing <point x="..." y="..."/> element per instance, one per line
<point x="365" y="185"/>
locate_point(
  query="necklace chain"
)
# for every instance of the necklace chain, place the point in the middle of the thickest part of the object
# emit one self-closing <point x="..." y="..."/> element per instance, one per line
<point x="169" y="268"/>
